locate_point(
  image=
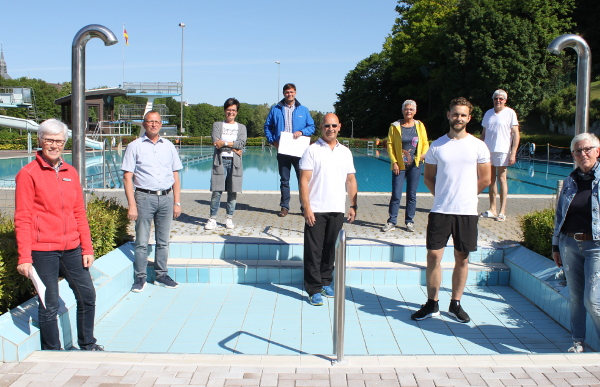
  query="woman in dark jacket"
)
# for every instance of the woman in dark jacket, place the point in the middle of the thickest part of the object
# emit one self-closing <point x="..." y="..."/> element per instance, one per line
<point x="229" y="138"/>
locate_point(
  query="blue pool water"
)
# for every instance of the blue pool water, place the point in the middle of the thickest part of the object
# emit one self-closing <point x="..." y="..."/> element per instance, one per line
<point x="260" y="171"/>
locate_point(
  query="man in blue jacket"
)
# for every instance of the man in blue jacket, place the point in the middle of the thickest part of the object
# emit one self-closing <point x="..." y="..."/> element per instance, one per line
<point x="288" y="116"/>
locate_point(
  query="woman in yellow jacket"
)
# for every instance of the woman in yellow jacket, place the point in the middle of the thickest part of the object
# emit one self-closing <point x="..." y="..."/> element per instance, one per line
<point x="407" y="144"/>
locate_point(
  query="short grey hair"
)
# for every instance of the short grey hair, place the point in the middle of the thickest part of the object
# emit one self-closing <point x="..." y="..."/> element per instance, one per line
<point x="585" y="136"/>
<point x="500" y="93"/>
<point x="52" y="127"/>
<point x="409" y="102"/>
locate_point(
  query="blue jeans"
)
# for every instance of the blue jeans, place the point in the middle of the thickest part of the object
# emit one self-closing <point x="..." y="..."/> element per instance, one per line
<point x="69" y="264"/>
<point x="160" y="209"/>
<point x="411" y="174"/>
<point x="215" y="200"/>
<point x="581" y="261"/>
<point x="285" y="164"/>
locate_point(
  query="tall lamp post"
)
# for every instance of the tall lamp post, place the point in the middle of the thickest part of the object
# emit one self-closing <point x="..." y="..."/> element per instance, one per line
<point x="182" y="25"/>
<point x="278" y="77"/>
<point x="352" y="133"/>
<point x="78" y="85"/>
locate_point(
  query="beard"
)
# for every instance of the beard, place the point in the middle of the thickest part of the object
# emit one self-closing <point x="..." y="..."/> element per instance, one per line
<point x="457" y="127"/>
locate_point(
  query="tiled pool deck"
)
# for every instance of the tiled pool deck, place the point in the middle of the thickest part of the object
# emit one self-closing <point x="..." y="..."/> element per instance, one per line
<point x="251" y="334"/>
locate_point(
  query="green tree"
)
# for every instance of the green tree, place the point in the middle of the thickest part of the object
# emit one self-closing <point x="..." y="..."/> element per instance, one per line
<point x="491" y="45"/>
<point x="369" y="96"/>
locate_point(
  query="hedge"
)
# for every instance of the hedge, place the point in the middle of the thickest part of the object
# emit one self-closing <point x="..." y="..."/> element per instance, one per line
<point x="538" y="228"/>
<point x="108" y="225"/>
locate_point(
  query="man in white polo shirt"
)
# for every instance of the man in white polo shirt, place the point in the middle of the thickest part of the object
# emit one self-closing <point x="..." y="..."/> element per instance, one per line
<point x="501" y="135"/>
<point x="326" y="174"/>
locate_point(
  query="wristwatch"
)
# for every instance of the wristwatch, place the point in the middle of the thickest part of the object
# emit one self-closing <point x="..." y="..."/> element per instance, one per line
<point x="354" y="207"/>
<point x="177" y="204"/>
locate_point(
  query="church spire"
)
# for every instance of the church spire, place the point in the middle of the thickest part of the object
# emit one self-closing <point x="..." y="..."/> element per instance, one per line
<point x="3" y="67"/>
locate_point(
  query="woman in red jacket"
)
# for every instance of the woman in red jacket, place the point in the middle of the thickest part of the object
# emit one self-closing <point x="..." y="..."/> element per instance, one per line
<point x="53" y="235"/>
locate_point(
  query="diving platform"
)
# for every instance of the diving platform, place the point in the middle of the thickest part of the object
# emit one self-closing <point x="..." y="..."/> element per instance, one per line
<point x="16" y="97"/>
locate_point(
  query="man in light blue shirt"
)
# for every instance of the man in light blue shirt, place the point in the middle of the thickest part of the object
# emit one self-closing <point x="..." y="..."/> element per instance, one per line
<point x="151" y="178"/>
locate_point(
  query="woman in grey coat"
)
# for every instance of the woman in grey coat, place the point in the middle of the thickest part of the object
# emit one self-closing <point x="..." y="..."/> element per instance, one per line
<point x="229" y="138"/>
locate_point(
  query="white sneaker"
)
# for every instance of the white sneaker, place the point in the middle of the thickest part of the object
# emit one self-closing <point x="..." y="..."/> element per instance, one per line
<point x="229" y="223"/>
<point x="211" y="224"/>
<point x="410" y="227"/>
<point x="577" y="347"/>
<point x="388" y="227"/>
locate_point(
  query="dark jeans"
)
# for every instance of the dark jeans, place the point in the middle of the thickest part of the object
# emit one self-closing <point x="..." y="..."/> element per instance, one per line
<point x="411" y="174"/>
<point x="69" y="264"/>
<point x="285" y="164"/>
<point x="319" y="250"/>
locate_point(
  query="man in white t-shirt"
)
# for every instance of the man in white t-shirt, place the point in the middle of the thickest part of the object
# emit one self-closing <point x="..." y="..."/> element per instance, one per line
<point x="326" y="174"/>
<point x="501" y="135"/>
<point x="457" y="169"/>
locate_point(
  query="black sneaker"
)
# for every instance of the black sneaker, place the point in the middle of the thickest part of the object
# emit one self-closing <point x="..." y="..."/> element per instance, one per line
<point x="429" y="309"/>
<point x="458" y="313"/>
<point x="166" y="281"/>
<point x="92" y="347"/>
<point x="139" y="285"/>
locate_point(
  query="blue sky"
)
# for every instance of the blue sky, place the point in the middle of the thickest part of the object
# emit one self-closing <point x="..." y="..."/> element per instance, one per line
<point x="230" y="47"/>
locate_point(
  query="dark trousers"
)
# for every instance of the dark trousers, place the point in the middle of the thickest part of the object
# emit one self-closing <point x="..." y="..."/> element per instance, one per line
<point x="319" y="250"/>
<point x="285" y="164"/>
<point x="69" y="264"/>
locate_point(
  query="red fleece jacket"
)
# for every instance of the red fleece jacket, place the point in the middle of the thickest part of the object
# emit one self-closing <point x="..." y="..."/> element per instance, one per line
<point x="49" y="210"/>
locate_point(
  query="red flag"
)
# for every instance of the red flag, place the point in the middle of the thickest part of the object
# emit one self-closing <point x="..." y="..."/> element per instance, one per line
<point x="126" y="36"/>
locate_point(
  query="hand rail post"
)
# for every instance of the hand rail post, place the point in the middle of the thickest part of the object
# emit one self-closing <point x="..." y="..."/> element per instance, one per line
<point x="339" y="313"/>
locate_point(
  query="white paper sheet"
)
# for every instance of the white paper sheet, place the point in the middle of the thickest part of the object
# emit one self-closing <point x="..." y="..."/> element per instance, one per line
<point x="39" y="285"/>
<point x="292" y="147"/>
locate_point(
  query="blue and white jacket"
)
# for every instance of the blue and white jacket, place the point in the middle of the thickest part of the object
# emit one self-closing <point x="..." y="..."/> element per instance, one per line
<point x="564" y="201"/>
<point x="275" y="123"/>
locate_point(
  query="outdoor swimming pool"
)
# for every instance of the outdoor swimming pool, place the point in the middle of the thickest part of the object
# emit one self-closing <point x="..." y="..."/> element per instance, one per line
<point x="260" y="171"/>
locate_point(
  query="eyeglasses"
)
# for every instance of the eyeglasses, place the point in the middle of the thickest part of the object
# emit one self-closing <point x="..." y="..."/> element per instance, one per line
<point x="231" y="111"/>
<point x="49" y="141"/>
<point x="330" y="125"/>
<point x="499" y="99"/>
<point x="586" y="150"/>
<point x="153" y="122"/>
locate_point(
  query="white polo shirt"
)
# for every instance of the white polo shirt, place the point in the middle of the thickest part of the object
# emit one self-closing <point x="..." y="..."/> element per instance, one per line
<point x="330" y="169"/>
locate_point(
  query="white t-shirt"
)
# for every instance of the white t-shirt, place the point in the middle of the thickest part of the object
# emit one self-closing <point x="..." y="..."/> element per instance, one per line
<point x="456" y="177"/>
<point x="330" y="169"/>
<point x="498" y="129"/>
<point x="230" y="132"/>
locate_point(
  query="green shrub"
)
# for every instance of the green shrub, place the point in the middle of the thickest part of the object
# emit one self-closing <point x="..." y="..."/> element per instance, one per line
<point x="108" y="224"/>
<point x="537" y="230"/>
<point x="14" y="288"/>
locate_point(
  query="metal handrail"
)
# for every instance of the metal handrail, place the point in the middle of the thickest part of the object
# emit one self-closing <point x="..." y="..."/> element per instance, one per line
<point x="339" y="312"/>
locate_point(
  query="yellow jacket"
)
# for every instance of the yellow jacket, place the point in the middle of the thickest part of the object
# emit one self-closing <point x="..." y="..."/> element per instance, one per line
<point x="394" y="144"/>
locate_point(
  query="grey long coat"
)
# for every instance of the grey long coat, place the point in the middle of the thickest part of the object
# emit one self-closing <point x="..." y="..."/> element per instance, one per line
<point x="217" y="179"/>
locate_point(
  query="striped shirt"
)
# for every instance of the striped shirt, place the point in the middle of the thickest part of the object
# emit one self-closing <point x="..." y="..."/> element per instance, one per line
<point x="289" y="111"/>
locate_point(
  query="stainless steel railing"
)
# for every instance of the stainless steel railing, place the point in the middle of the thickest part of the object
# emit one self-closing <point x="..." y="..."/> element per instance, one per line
<point x="339" y="311"/>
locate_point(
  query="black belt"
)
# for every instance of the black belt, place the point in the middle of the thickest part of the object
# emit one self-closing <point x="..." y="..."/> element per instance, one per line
<point x="580" y="236"/>
<point x="158" y="193"/>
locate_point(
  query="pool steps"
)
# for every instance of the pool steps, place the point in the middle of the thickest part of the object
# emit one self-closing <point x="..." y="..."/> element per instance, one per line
<point x="527" y="272"/>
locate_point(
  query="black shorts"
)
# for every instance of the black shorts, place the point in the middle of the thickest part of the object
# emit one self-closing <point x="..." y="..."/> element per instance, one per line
<point x="463" y="229"/>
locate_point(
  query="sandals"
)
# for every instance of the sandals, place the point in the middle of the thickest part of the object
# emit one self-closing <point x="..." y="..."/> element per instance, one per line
<point x="501" y="218"/>
<point x="487" y="214"/>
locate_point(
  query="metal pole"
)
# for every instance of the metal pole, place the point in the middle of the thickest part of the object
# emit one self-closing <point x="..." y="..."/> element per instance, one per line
<point x="182" y="25"/>
<point x="104" y="165"/>
<point x="78" y="84"/>
<point x="339" y="312"/>
<point x="584" y="76"/>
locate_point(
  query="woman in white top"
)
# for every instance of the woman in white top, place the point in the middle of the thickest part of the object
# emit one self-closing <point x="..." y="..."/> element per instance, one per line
<point x="229" y="138"/>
